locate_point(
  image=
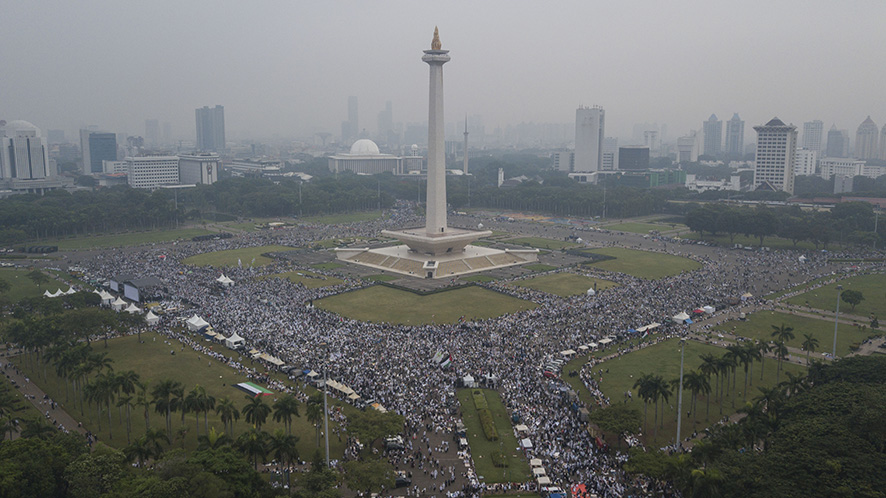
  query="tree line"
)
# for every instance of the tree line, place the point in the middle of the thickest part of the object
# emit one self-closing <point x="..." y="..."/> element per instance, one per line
<point x="848" y="222"/>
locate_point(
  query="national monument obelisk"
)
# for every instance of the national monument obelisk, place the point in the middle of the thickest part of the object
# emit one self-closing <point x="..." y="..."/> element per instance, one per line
<point x="435" y="220"/>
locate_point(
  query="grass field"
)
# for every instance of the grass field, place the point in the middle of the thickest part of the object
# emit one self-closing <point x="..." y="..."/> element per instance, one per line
<point x="152" y="361"/>
<point x="332" y="219"/>
<point x="872" y="287"/>
<point x="517" y="468"/>
<point x="384" y="304"/>
<point x="554" y="245"/>
<point x="664" y="359"/>
<point x="759" y="326"/>
<point x="332" y="265"/>
<point x="643" y="264"/>
<point x="636" y="227"/>
<point x="20" y="286"/>
<point x="771" y="241"/>
<point x="308" y="279"/>
<point x="125" y="239"/>
<point x="478" y="278"/>
<point x="797" y="288"/>
<point x="381" y="277"/>
<point x="564" y="284"/>
<point x="539" y="267"/>
<point x="231" y="257"/>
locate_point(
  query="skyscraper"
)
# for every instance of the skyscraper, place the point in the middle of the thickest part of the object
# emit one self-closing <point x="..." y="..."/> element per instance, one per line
<point x="589" y="129"/>
<point x="866" y="138"/>
<point x="713" y="136"/>
<point x="734" y="136"/>
<point x="152" y="132"/>
<point x="812" y="131"/>
<point x="102" y="147"/>
<point x="776" y="146"/>
<point x="23" y="152"/>
<point x="883" y="143"/>
<point x="838" y="143"/>
<point x="211" y="129"/>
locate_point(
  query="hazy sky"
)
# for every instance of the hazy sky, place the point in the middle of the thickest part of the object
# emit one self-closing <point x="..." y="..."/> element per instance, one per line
<point x="286" y="68"/>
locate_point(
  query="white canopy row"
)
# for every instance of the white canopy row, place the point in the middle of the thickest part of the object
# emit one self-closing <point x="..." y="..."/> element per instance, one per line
<point x="59" y="293"/>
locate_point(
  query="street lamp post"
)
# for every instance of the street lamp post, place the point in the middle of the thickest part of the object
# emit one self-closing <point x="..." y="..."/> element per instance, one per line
<point x="836" y="322"/>
<point x="325" y="406"/>
<point x="680" y="393"/>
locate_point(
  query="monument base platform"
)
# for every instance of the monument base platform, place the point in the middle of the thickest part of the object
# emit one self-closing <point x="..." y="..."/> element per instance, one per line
<point x="401" y="260"/>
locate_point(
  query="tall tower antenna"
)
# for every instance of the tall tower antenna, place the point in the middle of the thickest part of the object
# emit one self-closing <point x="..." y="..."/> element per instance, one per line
<point x="465" y="168"/>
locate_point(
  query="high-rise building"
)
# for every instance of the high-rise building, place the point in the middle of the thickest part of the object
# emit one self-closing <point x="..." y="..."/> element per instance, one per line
<point x="883" y="143"/>
<point x="866" y="138"/>
<point x="734" y="136"/>
<point x="151" y="172"/>
<point x="211" y="129"/>
<point x="589" y="129"/>
<point x="198" y="168"/>
<point x="350" y="129"/>
<point x="838" y="143"/>
<point x="687" y="148"/>
<point x="633" y="157"/>
<point x="651" y="140"/>
<point x="610" y="154"/>
<point x="713" y="136"/>
<point x="152" y="132"/>
<point x="563" y="161"/>
<point x="804" y="162"/>
<point x="776" y="147"/>
<point x="841" y="167"/>
<point x="102" y="147"/>
<point x="812" y="132"/>
<point x="24" y="153"/>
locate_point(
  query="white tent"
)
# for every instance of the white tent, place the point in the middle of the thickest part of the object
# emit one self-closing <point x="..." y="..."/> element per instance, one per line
<point x="535" y="462"/>
<point x="543" y="480"/>
<point x="802" y="259"/>
<point x="708" y="309"/>
<point x="583" y="347"/>
<point x="568" y="353"/>
<point x="235" y="341"/>
<point x="59" y="293"/>
<point x="132" y="309"/>
<point x="151" y="318"/>
<point x="118" y="304"/>
<point x="46" y="293"/>
<point x="196" y="323"/>
<point x="746" y="296"/>
<point x="70" y="291"/>
<point x="681" y="316"/>
<point x="468" y="381"/>
<point x="605" y="341"/>
<point x="591" y="292"/>
<point x="225" y="281"/>
<point x="538" y="471"/>
<point x="592" y="345"/>
<point x="106" y="297"/>
<point x="521" y="428"/>
<point x="525" y="443"/>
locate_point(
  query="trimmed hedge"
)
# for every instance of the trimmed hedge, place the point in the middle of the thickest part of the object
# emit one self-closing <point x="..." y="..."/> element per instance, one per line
<point x="488" y="424"/>
<point x="498" y="459"/>
<point x="480" y="402"/>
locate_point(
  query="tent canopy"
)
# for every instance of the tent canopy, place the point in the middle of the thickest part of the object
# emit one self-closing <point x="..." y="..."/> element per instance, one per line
<point x="679" y="317"/>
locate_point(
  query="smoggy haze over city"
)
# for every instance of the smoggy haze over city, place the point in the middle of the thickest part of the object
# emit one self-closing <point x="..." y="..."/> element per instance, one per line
<point x="285" y="69"/>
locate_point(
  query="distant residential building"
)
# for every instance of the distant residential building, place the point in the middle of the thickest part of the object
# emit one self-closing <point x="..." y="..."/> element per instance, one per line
<point x="198" y="168"/>
<point x="734" y="136"/>
<point x="115" y="167"/>
<point x="633" y="158"/>
<point x="563" y="161"/>
<point x="843" y="184"/>
<point x="840" y="166"/>
<point x="866" y="138"/>
<point x="151" y="172"/>
<point x="838" y="143"/>
<point x="610" y="154"/>
<point x="805" y="162"/>
<point x="687" y="148"/>
<point x="713" y="136"/>
<point x="873" y="171"/>
<point x="589" y="133"/>
<point x="733" y="184"/>
<point x="211" y="129"/>
<point x="255" y="167"/>
<point x="812" y="132"/>
<point x="774" y="158"/>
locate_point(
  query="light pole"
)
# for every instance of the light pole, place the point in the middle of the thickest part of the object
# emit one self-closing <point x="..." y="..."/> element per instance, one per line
<point x="325" y="407"/>
<point x="680" y="393"/>
<point x="836" y="321"/>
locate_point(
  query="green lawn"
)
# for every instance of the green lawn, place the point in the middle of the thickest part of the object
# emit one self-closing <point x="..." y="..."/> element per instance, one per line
<point x="636" y="227"/>
<point x="21" y="287"/>
<point x="664" y="359"/>
<point x="308" y="279"/>
<point x="232" y="256"/>
<point x="478" y="278"/>
<point x="564" y="284"/>
<point x="517" y="468"/>
<point x="643" y="264"/>
<point x="872" y="287"/>
<point x="152" y="361"/>
<point x="125" y="239"/>
<point x="541" y="243"/>
<point x="384" y="304"/>
<point x="332" y="219"/>
<point x="381" y="277"/>
<point x="797" y="288"/>
<point x="539" y="267"/>
<point x="771" y="241"/>
<point x="759" y="326"/>
<point x="332" y="265"/>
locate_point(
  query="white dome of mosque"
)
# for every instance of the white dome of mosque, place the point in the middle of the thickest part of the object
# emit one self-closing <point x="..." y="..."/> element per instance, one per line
<point x="19" y="125"/>
<point x="364" y="147"/>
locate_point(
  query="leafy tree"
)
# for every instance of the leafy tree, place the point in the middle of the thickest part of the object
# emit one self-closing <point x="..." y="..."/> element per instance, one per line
<point x="617" y="419"/>
<point x="370" y="425"/>
<point x="96" y="473"/>
<point x="369" y="476"/>
<point x="852" y="297"/>
<point x="256" y="411"/>
<point x="285" y="408"/>
<point x="38" y="277"/>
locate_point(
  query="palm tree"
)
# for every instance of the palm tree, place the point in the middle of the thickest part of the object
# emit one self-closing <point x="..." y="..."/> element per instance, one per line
<point x="256" y="411"/>
<point x="253" y="444"/>
<point x="142" y="399"/>
<point x="283" y="447"/>
<point x="764" y="348"/>
<point x="641" y="385"/>
<point x="783" y="333"/>
<point x="179" y="401"/>
<point x="162" y="400"/>
<point x="696" y="382"/>
<point x="192" y="403"/>
<point x="752" y="351"/>
<point x="737" y="353"/>
<point x="795" y="384"/>
<point x="709" y="367"/>
<point x="126" y="400"/>
<point x="228" y="412"/>
<point x="213" y="440"/>
<point x="284" y="409"/>
<point x="781" y="354"/>
<point x="138" y="450"/>
<point x="315" y="416"/>
<point x="199" y="401"/>
<point x="809" y="344"/>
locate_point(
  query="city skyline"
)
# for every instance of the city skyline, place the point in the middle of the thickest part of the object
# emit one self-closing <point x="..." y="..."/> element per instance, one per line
<point x="291" y="78"/>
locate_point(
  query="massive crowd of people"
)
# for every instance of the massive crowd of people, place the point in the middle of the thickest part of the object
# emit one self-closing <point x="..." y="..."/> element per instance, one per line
<point x="391" y="363"/>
